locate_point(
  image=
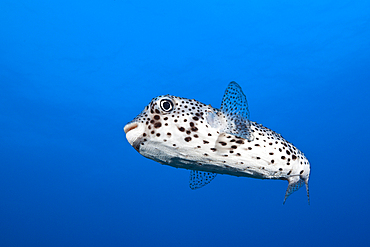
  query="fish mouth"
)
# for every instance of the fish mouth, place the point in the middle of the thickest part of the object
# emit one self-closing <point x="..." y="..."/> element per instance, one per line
<point x="130" y="127"/>
<point x="134" y="132"/>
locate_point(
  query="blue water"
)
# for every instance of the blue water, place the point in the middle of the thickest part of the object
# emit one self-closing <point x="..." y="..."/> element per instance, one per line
<point x="73" y="73"/>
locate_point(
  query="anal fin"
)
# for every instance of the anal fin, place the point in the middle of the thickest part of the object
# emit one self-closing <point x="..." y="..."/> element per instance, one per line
<point x="295" y="183"/>
<point x="198" y="179"/>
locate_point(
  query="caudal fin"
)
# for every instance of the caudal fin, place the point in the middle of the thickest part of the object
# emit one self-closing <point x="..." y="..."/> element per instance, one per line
<point x="296" y="182"/>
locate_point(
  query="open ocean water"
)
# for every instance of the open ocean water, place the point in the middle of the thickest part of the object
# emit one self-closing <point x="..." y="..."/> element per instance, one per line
<point x="73" y="73"/>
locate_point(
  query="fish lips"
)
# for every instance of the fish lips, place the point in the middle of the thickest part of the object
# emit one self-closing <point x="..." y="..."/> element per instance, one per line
<point x="134" y="132"/>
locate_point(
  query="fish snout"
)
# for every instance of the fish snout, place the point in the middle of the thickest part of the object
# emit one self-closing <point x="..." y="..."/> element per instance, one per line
<point x="130" y="127"/>
<point x="134" y="132"/>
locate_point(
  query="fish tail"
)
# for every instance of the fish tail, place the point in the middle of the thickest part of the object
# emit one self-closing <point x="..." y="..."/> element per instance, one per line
<point x="296" y="182"/>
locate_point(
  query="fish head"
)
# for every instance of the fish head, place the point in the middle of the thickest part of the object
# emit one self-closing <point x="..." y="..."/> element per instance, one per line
<point x="170" y="125"/>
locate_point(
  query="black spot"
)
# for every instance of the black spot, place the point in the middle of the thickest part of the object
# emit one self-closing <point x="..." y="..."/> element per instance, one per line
<point x="240" y="142"/>
<point x="209" y="134"/>
<point x="272" y="161"/>
<point x="174" y="145"/>
<point x="257" y="145"/>
<point x="294" y="157"/>
<point x="301" y="172"/>
<point x="196" y="118"/>
<point x="194" y="129"/>
<point x="271" y="153"/>
<point x="283" y="157"/>
<point x="233" y="147"/>
<point x="280" y="169"/>
<point x="249" y="148"/>
<point x="205" y="142"/>
<point x="191" y="124"/>
<point x="205" y="154"/>
<point x="144" y="134"/>
<point x="280" y="150"/>
<point x="157" y="125"/>
<point x="158" y="134"/>
<point x="157" y="111"/>
<point x="223" y="143"/>
<point x="198" y="146"/>
<point x="289" y="172"/>
<point x="188" y="139"/>
<point x="237" y="154"/>
<point x="188" y="132"/>
<point x="196" y="136"/>
<point x="213" y="149"/>
<point x="152" y="132"/>
<point x="157" y="117"/>
<point x="169" y="134"/>
<point x="258" y="158"/>
<point x="288" y="164"/>
<point x="182" y="129"/>
<point x="231" y="151"/>
<point x="166" y="118"/>
<point x="287" y="152"/>
<point x="152" y="121"/>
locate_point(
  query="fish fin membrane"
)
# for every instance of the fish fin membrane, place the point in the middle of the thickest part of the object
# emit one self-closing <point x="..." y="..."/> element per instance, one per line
<point x="198" y="179"/>
<point x="295" y="183"/>
<point x="235" y="107"/>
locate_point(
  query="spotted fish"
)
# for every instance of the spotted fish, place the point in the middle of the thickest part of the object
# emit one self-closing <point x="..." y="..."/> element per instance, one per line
<point x="185" y="133"/>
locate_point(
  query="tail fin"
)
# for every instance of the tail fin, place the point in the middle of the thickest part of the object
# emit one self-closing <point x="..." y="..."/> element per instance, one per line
<point x="296" y="182"/>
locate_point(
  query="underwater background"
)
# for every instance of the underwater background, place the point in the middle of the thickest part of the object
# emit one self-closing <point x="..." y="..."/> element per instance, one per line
<point x="73" y="73"/>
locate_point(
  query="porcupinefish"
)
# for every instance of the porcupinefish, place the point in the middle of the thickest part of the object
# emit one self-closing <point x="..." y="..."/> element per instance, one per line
<point x="185" y="133"/>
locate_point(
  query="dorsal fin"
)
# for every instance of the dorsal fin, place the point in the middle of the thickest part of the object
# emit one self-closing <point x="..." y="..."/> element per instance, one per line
<point x="198" y="179"/>
<point x="235" y="107"/>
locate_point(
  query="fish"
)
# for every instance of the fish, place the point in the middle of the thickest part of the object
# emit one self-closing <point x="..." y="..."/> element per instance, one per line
<point x="185" y="133"/>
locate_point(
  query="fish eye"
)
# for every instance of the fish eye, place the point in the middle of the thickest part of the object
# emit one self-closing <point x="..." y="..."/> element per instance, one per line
<point x="166" y="105"/>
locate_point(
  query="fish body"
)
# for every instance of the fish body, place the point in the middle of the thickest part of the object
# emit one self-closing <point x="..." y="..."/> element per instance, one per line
<point x="185" y="133"/>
